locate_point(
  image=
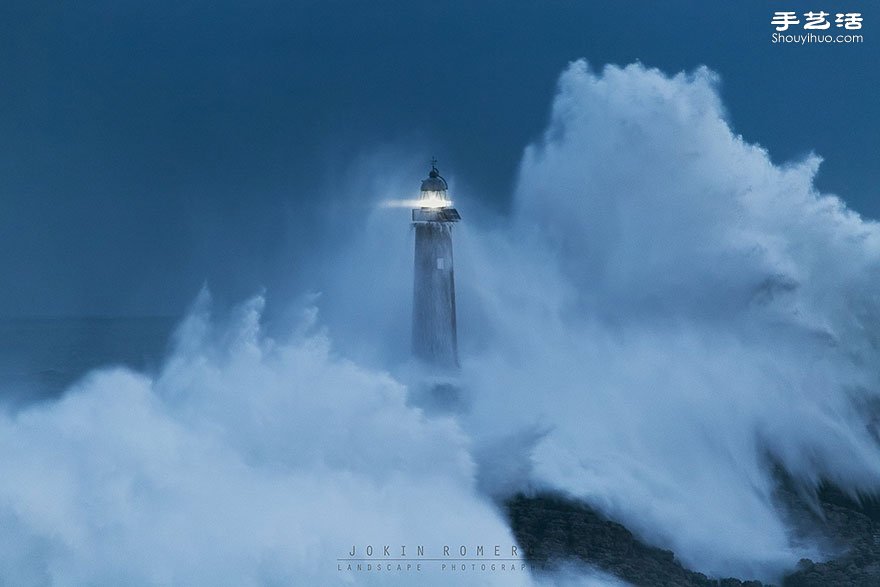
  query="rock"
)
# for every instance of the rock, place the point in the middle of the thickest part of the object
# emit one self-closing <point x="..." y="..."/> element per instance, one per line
<point x="553" y="529"/>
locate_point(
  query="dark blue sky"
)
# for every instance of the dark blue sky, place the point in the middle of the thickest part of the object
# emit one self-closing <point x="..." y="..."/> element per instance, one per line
<point x="146" y="148"/>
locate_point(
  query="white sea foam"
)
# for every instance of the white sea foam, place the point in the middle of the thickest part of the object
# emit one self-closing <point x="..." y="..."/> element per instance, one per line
<point x="246" y="461"/>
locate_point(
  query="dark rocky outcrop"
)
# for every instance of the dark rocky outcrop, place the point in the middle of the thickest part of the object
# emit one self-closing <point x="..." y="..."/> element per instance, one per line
<point x="851" y="528"/>
<point x="553" y="530"/>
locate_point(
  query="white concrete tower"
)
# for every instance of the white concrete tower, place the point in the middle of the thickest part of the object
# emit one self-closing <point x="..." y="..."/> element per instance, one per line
<point x="434" y="333"/>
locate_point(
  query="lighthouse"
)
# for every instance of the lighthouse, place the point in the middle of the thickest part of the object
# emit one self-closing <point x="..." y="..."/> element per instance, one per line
<point x="434" y="337"/>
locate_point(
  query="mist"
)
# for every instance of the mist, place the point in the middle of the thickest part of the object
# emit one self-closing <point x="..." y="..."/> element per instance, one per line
<point x="664" y="317"/>
<point x="664" y="313"/>
<point x="693" y="311"/>
<point x="245" y="461"/>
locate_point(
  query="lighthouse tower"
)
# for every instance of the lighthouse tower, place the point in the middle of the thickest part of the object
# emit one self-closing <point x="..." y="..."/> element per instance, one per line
<point x="434" y="334"/>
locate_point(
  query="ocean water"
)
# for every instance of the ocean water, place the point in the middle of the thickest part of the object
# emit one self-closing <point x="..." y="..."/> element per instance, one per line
<point x="41" y="357"/>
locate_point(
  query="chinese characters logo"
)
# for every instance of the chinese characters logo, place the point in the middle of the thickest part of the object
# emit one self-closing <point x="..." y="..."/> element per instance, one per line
<point x="817" y="20"/>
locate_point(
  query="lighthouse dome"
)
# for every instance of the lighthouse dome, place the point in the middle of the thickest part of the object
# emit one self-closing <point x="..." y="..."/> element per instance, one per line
<point x="434" y="183"/>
